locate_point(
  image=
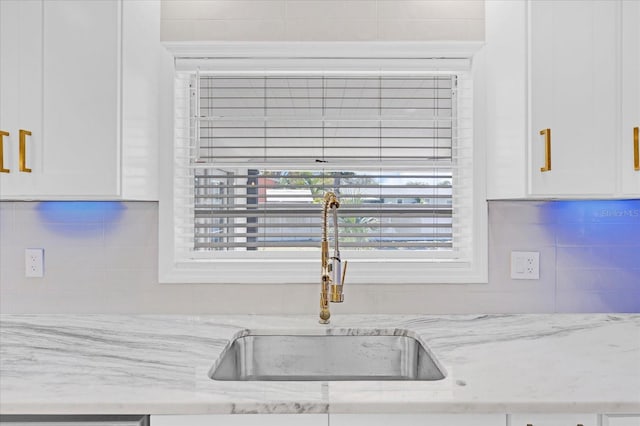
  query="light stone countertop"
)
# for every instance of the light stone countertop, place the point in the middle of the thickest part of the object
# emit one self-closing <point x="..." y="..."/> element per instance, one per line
<point x="117" y="364"/>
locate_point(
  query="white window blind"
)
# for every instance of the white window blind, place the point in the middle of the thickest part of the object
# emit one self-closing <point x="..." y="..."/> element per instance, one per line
<point x="255" y="153"/>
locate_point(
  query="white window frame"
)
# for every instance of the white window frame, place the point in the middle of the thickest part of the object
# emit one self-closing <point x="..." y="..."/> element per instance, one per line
<point x="268" y="269"/>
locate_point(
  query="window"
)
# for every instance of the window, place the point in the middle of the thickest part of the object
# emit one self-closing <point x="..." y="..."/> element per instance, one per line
<point x="255" y="150"/>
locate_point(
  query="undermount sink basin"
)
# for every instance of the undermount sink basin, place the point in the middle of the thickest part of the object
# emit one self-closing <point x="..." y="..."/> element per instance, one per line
<point x="323" y="357"/>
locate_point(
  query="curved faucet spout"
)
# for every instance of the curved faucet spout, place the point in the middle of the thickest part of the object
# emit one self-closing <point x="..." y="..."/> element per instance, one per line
<point x="332" y="273"/>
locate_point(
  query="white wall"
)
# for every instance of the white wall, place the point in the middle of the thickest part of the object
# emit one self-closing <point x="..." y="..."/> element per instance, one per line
<point x="102" y="258"/>
<point x="322" y="20"/>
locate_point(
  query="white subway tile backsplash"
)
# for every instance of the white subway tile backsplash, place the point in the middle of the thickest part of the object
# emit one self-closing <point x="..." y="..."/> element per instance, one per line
<point x="528" y="236"/>
<point x="177" y="30"/>
<point x="321" y="20"/>
<point x="222" y="9"/>
<point x="511" y="302"/>
<point x="131" y="257"/>
<point x="598" y="302"/>
<point x="474" y="29"/>
<point x="33" y="301"/>
<point x="331" y="30"/>
<point x="589" y="279"/>
<point x="72" y="257"/>
<point x="138" y="227"/>
<point x="141" y="288"/>
<point x="102" y="257"/>
<point x="421" y="29"/>
<point x="40" y="234"/>
<point x="431" y="9"/>
<point x="181" y="9"/>
<point x="598" y="211"/>
<point x="430" y="29"/>
<point x="598" y="257"/>
<point x="84" y="282"/>
<point x="591" y="233"/>
<point x="337" y="9"/>
<point x="442" y="299"/>
<point x="7" y="224"/>
<point x="240" y="30"/>
<point x="11" y="267"/>
<point x="244" y="9"/>
<point x="518" y="212"/>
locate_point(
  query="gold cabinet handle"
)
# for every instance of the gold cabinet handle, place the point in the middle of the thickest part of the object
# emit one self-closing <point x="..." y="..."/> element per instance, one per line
<point x="636" y="150"/>
<point x="2" y="135"/>
<point x="547" y="150"/>
<point x="23" y="151"/>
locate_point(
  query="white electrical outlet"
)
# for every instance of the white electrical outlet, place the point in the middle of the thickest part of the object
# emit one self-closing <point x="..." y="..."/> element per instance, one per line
<point x="525" y="265"/>
<point x="34" y="263"/>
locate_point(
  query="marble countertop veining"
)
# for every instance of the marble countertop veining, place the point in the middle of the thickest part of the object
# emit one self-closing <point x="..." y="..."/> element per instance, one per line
<point x="116" y="364"/>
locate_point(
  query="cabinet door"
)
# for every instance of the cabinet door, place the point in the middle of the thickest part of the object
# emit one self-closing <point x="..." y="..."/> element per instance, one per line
<point x="80" y="150"/>
<point x="574" y="91"/>
<point x="142" y="65"/>
<point x="630" y="95"/>
<point x="417" y="419"/>
<point x="241" y="420"/>
<point x="20" y="90"/>
<point x="72" y="420"/>
<point x="59" y="79"/>
<point x="621" y="420"/>
<point x="554" y="419"/>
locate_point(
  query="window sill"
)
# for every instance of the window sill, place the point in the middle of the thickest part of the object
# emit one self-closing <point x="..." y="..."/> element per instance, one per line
<point x="303" y="271"/>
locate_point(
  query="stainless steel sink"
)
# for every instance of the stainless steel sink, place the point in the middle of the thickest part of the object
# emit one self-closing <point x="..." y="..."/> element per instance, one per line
<point x="322" y="357"/>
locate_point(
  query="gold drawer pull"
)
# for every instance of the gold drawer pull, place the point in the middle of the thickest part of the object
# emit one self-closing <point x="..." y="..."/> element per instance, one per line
<point x="547" y="152"/>
<point x="636" y="150"/>
<point x="2" y="135"/>
<point x="531" y="424"/>
<point x="23" y="151"/>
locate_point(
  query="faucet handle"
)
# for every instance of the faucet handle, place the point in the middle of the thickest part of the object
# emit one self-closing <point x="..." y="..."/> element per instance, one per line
<point x="344" y="272"/>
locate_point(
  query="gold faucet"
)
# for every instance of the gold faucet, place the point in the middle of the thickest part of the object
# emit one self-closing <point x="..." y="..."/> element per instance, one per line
<point x="332" y="273"/>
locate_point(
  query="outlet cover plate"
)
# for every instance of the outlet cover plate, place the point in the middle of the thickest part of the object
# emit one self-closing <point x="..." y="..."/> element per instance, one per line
<point x="34" y="263"/>
<point x="525" y="265"/>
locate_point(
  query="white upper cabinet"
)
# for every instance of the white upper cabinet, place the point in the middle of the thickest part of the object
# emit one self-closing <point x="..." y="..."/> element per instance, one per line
<point x="80" y="98"/>
<point x="20" y="91"/>
<point x="562" y="95"/>
<point x="63" y="66"/>
<point x="574" y="93"/>
<point x="629" y="155"/>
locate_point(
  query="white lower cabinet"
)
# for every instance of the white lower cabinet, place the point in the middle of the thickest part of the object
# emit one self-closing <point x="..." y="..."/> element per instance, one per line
<point x="417" y="419"/>
<point x="240" y="420"/>
<point x="553" y="420"/>
<point x="331" y="420"/>
<point x="621" y="420"/>
<point x="587" y="419"/>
